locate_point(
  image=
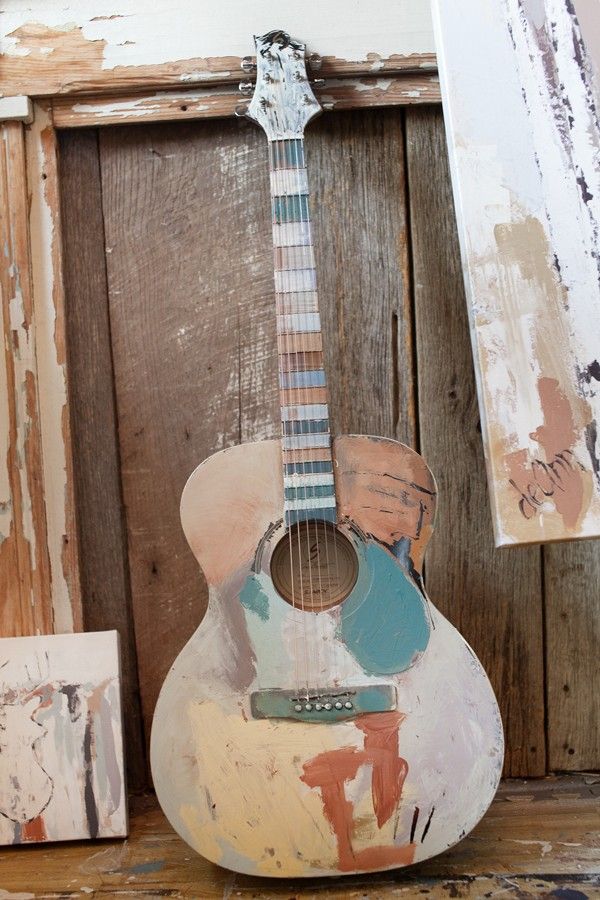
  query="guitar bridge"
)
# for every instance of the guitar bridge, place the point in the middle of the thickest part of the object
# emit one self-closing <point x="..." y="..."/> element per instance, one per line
<point x="324" y="706"/>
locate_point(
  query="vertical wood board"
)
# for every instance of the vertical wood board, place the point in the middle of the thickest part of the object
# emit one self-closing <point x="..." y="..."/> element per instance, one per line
<point x="50" y="354"/>
<point x="494" y="598"/>
<point x="25" y="601"/>
<point x="102" y="534"/>
<point x="525" y="157"/>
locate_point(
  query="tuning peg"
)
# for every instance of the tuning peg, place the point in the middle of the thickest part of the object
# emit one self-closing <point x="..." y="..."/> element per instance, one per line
<point x="246" y="87"/>
<point x="318" y="82"/>
<point x="241" y="110"/>
<point x="248" y="64"/>
<point x="314" y="62"/>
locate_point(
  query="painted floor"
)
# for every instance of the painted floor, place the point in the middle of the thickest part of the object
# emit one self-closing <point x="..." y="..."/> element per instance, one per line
<point x="540" y="838"/>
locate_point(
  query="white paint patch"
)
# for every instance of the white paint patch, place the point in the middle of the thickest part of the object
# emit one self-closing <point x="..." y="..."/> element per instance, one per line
<point x="145" y="33"/>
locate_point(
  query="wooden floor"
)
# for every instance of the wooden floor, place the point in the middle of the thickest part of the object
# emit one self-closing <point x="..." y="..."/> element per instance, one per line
<point x="541" y="838"/>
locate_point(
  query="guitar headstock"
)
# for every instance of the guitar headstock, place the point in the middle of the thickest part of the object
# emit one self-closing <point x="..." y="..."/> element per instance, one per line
<point x="283" y="102"/>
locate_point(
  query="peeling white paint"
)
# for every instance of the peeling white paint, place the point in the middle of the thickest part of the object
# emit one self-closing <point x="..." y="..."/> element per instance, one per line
<point x="51" y="375"/>
<point x="160" y="32"/>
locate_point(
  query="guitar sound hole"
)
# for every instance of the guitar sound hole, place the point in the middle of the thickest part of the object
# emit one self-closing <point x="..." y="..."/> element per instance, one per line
<point x="314" y="566"/>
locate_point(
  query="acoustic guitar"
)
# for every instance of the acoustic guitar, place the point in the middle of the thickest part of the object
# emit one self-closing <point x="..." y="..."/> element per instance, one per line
<point x="324" y="718"/>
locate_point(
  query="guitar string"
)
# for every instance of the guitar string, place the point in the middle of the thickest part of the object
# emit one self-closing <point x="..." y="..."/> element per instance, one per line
<point x="300" y="359"/>
<point x="283" y="352"/>
<point x="330" y="454"/>
<point x="307" y="250"/>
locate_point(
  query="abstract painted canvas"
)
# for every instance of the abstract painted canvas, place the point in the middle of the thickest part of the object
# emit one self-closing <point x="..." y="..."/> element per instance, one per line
<point x="61" y="740"/>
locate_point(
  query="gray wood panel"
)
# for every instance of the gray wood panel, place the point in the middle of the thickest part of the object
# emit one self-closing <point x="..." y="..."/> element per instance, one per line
<point x="493" y="597"/>
<point x="102" y="534"/>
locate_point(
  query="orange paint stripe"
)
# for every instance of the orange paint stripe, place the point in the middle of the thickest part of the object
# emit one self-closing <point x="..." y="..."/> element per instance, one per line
<point x="300" y="362"/>
<point x="304" y="395"/>
<point x="301" y="342"/>
<point x="315" y="454"/>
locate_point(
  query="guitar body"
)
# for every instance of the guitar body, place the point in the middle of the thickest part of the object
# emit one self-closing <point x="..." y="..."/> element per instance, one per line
<point x="249" y="766"/>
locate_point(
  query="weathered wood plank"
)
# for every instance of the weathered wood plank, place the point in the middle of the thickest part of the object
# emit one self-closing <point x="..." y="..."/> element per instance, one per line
<point x="539" y="839"/>
<point x="494" y="599"/>
<point x="215" y="102"/>
<point x="525" y="151"/>
<point x="25" y="599"/>
<point x="103" y="561"/>
<point x="356" y="170"/>
<point x="50" y="353"/>
<point x="572" y="591"/>
<point x="94" y="46"/>
<point x="190" y="284"/>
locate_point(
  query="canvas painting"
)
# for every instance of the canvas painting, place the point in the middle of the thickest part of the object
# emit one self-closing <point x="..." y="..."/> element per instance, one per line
<point x="61" y="741"/>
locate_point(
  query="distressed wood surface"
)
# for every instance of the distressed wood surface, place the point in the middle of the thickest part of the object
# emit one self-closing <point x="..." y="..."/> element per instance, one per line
<point x="200" y="103"/>
<point x="539" y="839"/>
<point x="25" y="600"/>
<point x="50" y="353"/>
<point x="103" y="562"/>
<point x="97" y="45"/>
<point x="525" y="152"/>
<point x="572" y="598"/>
<point x="494" y="599"/>
<point x="208" y="315"/>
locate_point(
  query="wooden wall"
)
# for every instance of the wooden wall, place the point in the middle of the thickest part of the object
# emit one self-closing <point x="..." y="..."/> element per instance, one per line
<point x="172" y="357"/>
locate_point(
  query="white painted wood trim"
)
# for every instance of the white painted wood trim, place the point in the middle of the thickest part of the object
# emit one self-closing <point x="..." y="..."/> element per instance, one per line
<point x="525" y="159"/>
<point x="16" y="109"/>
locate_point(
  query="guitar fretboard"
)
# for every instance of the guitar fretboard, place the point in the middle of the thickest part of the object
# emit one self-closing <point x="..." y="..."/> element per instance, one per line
<point x="307" y="459"/>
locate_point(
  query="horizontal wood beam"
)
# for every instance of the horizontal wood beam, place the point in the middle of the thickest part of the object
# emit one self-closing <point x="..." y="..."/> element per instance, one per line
<point x="218" y="102"/>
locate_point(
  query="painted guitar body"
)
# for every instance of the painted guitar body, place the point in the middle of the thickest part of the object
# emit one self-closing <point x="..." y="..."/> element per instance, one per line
<point x="322" y="792"/>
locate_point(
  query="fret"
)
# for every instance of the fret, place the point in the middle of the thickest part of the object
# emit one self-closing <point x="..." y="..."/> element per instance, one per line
<point x="301" y="342"/>
<point x="300" y="362"/>
<point x="295" y="257"/>
<point x="306" y="441"/>
<point x="305" y="411"/>
<point x="291" y="234"/>
<point x="302" y="379"/>
<point x="297" y="304"/>
<point x="309" y="484"/>
<point x="295" y="281"/>
<point x="289" y="181"/>
<point x="296" y="323"/>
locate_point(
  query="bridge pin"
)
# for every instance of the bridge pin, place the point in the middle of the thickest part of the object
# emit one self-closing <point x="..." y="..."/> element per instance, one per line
<point x="308" y="707"/>
<point x="339" y="705"/>
<point x="318" y="706"/>
<point x="327" y="706"/>
<point x="298" y="707"/>
<point x="348" y="704"/>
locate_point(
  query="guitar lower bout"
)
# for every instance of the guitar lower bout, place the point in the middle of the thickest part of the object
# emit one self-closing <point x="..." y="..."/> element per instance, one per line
<point x="343" y="728"/>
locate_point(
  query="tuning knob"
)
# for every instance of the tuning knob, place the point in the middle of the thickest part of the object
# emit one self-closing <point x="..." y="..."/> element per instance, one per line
<point x="248" y="65"/>
<point x="246" y="87"/>
<point x="318" y="82"/>
<point x="314" y="62"/>
<point x="241" y="110"/>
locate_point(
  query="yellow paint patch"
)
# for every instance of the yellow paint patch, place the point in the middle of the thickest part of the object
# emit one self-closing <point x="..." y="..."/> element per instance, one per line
<point x="259" y="806"/>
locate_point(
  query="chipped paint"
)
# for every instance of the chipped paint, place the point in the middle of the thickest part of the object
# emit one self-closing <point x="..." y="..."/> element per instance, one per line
<point x="524" y="145"/>
<point x="51" y="371"/>
<point x="51" y="48"/>
<point x="280" y="797"/>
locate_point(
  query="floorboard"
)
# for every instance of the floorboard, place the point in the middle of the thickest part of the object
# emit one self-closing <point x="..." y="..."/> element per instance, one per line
<point x="540" y="838"/>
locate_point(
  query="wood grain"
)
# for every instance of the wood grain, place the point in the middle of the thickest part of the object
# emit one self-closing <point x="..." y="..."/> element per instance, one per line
<point x="494" y="599"/>
<point x="25" y="597"/>
<point x="190" y="285"/>
<point x="539" y="839"/>
<point x="103" y="560"/>
<point x="214" y="102"/>
<point x="356" y="172"/>
<point x="572" y="590"/>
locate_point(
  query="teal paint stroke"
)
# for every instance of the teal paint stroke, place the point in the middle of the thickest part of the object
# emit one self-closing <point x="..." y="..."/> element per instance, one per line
<point x="255" y="598"/>
<point x="384" y="621"/>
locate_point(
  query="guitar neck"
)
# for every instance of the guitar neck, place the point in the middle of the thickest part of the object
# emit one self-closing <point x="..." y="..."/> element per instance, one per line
<point x="307" y="458"/>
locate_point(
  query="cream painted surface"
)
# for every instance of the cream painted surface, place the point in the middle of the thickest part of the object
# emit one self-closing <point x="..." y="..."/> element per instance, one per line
<point x="235" y="787"/>
<point x="526" y="181"/>
<point x="142" y="33"/>
<point x="51" y="367"/>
